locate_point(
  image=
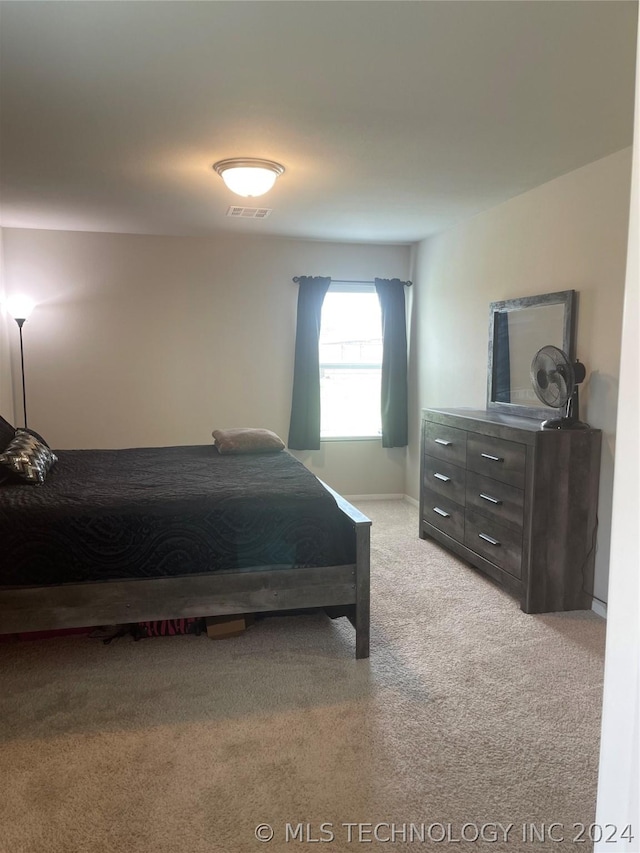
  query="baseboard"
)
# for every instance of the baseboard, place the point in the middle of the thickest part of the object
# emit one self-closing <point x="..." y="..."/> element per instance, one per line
<point x="352" y="498"/>
<point x="394" y="497"/>
<point x="599" y="607"/>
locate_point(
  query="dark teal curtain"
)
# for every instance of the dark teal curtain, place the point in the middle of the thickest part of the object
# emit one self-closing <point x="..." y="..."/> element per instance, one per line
<point x="394" y="362"/>
<point x="502" y="362"/>
<point x="304" y="427"/>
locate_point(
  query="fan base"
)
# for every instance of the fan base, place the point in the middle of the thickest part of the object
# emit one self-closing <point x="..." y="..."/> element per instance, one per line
<point x="564" y="423"/>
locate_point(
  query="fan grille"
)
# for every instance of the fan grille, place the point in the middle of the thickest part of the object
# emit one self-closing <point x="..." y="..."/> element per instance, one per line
<point x="552" y="376"/>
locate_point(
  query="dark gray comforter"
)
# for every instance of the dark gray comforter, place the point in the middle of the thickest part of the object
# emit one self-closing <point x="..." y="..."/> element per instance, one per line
<point x="157" y="512"/>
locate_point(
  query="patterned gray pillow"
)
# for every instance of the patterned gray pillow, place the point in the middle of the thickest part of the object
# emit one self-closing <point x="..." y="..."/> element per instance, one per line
<point x="6" y="433"/>
<point x="27" y="459"/>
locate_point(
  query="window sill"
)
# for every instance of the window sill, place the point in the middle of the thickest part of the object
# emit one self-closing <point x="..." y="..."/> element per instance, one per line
<point x="351" y="438"/>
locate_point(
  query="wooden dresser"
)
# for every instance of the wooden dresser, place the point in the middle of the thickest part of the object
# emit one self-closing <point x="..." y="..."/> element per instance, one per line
<point x="515" y="501"/>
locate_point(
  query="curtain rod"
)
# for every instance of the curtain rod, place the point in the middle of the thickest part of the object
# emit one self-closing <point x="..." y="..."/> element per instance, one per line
<point x="296" y="278"/>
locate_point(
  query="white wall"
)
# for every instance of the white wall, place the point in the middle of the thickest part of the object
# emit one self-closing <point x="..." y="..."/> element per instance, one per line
<point x="6" y="324"/>
<point x="570" y="233"/>
<point x="618" y="792"/>
<point x="149" y="341"/>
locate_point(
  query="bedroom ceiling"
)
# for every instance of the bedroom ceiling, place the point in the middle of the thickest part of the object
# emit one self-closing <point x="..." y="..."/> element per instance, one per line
<point x="394" y="120"/>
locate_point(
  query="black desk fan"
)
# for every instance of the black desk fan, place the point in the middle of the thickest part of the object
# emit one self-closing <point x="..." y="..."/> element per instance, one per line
<point x="555" y="380"/>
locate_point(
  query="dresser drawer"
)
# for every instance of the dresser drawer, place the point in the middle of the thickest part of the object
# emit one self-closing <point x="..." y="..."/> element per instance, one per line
<point x="498" y="500"/>
<point x="443" y="514"/>
<point x="496" y="458"/>
<point x="500" y="544"/>
<point x="445" y="442"/>
<point x="445" y="479"/>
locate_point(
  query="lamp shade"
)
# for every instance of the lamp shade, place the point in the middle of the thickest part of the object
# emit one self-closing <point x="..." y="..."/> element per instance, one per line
<point x="20" y="307"/>
<point x="248" y="177"/>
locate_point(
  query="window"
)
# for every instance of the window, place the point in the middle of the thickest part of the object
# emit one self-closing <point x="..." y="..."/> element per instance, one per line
<point x="350" y="362"/>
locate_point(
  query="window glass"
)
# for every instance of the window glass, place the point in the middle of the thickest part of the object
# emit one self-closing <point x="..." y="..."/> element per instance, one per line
<point x="350" y="363"/>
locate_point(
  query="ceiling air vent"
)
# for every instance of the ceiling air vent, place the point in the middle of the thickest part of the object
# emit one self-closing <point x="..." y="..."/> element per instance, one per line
<point x="248" y="212"/>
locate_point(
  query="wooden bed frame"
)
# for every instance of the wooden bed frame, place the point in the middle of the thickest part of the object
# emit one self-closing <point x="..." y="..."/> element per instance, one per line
<point x="257" y="589"/>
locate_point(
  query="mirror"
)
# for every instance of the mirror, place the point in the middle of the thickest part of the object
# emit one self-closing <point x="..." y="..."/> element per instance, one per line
<point x="518" y="328"/>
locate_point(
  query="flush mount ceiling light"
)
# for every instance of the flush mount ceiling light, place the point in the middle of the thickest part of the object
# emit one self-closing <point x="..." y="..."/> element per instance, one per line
<point x="248" y="177"/>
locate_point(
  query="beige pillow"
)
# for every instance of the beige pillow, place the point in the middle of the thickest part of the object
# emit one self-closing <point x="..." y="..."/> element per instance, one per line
<point x="247" y="441"/>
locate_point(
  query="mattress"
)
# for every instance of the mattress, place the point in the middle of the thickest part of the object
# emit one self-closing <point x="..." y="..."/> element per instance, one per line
<point x="160" y="512"/>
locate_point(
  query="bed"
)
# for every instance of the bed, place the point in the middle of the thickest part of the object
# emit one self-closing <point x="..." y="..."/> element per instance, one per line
<point x="120" y="536"/>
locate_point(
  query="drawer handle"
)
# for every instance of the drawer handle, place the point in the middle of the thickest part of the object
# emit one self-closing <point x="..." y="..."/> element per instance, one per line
<point x="490" y="499"/>
<point x="441" y="512"/>
<point x="492" y="458"/>
<point x="488" y="539"/>
<point x="442" y="477"/>
<point x="442" y="441"/>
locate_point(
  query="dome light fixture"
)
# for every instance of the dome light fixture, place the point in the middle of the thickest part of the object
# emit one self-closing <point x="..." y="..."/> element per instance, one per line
<point x="247" y="176"/>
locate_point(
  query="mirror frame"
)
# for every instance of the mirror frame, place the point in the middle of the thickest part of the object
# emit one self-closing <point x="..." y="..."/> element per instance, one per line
<point x="568" y="298"/>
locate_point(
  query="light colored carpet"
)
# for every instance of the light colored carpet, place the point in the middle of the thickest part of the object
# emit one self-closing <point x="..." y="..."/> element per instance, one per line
<point x="468" y="711"/>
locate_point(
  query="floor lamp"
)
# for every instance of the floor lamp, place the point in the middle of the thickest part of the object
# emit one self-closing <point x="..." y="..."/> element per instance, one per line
<point x="20" y="308"/>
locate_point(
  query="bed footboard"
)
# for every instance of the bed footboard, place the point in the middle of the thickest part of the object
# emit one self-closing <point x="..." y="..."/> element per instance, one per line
<point x="360" y="618"/>
<point x="253" y="590"/>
